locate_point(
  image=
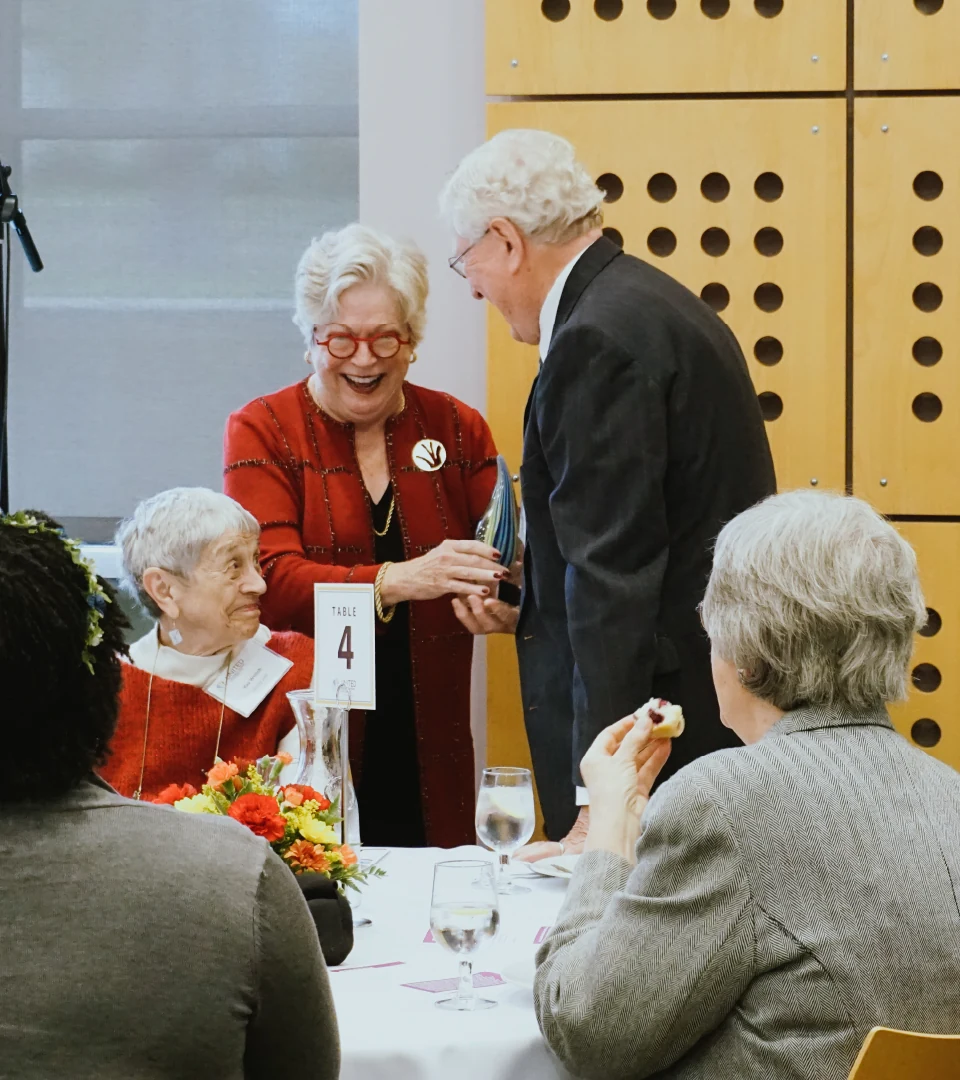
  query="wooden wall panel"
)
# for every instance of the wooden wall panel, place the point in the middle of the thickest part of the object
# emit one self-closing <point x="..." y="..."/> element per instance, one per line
<point x="907" y="412"/>
<point x="566" y="47"/>
<point x="906" y="45"/>
<point x="933" y="716"/>
<point x="729" y="143"/>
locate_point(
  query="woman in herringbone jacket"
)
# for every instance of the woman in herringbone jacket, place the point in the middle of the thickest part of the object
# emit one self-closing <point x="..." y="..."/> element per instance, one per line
<point x="770" y="904"/>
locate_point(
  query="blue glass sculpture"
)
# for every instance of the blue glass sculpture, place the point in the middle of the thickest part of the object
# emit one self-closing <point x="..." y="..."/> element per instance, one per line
<point x="499" y="525"/>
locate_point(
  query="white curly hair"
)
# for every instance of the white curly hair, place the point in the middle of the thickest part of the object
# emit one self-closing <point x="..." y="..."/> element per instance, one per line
<point x="530" y="177"/>
<point x="352" y="255"/>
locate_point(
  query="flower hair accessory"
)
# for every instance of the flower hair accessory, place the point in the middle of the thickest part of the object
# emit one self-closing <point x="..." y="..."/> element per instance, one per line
<point x="97" y="598"/>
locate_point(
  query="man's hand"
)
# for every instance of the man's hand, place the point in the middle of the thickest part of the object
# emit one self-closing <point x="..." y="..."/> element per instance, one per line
<point x="572" y="843"/>
<point x="487" y="616"/>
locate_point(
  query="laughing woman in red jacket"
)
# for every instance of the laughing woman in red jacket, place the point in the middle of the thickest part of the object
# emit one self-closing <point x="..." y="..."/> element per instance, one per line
<point x="356" y="475"/>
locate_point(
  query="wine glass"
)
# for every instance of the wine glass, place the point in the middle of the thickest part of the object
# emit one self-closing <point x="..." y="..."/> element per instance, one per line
<point x="505" y="818"/>
<point x="463" y="915"/>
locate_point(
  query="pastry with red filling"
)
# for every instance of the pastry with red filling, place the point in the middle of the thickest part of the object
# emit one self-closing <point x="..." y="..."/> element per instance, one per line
<point x="667" y="719"/>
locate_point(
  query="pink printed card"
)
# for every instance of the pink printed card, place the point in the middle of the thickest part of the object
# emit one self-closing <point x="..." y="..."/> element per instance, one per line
<point x="481" y="979"/>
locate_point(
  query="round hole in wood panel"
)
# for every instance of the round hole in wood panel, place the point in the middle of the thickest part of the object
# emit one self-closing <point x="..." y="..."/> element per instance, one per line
<point x="662" y="242"/>
<point x="769" y="241"/>
<point x="715" y="242"/>
<point x="768" y="187"/>
<point x="608" y="10"/>
<point x="927" y="240"/>
<point x="769" y="9"/>
<point x="611" y="185"/>
<point x="928" y="7"/>
<point x="769" y="351"/>
<point x="927" y="351"/>
<point x="714" y="9"/>
<point x="555" y="10"/>
<point x="768" y="297"/>
<point x="925" y="732"/>
<point x="933" y="624"/>
<point x="716" y="295"/>
<point x="927" y="407"/>
<point x="661" y="187"/>
<point x="927" y="297"/>
<point x="614" y="234"/>
<point x="662" y="9"/>
<point x="926" y="678"/>
<point x="928" y="185"/>
<point x="715" y="187"/>
<point x="771" y="405"/>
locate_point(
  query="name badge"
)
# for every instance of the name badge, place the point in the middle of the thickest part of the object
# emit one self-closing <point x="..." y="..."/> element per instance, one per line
<point x="253" y="674"/>
<point x="344" y="668"/>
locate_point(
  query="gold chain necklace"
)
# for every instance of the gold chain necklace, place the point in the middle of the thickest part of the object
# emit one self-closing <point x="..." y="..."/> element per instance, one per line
<point x="386" y="528"/>
<point x="146" y="723"/>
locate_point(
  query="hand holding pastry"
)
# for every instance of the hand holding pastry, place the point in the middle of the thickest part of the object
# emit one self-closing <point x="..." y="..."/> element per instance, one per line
<point x="619" y="771"/>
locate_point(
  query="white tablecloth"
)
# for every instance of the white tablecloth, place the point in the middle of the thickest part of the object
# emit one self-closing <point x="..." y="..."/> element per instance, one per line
<point x="392" y="1032"/>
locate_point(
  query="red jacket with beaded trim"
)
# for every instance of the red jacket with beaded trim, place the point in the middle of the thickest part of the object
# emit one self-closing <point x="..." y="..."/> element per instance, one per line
<point x="295" y="469"/>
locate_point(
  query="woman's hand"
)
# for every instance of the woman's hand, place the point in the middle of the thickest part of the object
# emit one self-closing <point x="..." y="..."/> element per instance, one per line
<point x="619" y="770"/>
<point x="462" y="567"/>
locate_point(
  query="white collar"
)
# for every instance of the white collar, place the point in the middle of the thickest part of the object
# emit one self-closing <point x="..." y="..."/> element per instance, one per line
<point x="149" y="655"/>
<point x="548" y="313"/>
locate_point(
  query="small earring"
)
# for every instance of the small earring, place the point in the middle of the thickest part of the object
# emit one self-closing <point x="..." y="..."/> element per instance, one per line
<point x="413" y="358"/>
<point x="175" y="636"/>
<point x="741" y="674"/>
<point x="306" y="357"/>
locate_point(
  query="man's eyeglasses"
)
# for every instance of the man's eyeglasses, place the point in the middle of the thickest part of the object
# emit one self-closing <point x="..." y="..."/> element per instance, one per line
<point x="343" y="346"/>
<point x="455" y="262"/>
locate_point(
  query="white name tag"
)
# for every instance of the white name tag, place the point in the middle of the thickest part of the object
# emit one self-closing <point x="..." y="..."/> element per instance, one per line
<point x="344" y="666"/>
<point x="253" y="674"/>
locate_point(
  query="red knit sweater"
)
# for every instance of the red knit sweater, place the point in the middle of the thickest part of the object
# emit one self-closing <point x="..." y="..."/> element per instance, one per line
<point x="184" y="722"/>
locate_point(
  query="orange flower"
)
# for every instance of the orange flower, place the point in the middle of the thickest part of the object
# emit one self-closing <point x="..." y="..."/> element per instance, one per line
<point x="285" y="758"/>
<point x="302" y="855"/>
<point x="221" y="772"/>
<point x="173" y="793"/>
<point x="260" y="814"/>
<point x="307" y="794"/>
<point x="348" y="855"/>
<point x="292" y="796"/>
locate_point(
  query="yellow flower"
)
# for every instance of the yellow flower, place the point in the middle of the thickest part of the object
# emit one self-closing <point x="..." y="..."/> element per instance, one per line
<point x="198" y="804"/>
<point x="317" y="832"/>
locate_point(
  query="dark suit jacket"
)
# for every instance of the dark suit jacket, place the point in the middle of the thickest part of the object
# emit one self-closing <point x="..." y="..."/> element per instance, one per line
<point x="642" y="438"/>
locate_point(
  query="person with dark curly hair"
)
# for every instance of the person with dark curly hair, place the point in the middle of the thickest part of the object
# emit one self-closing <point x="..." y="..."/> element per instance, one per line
<point x="135" y="940"/>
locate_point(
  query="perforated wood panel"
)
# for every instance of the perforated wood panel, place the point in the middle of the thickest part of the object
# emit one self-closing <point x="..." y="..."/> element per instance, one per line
<point x="664" y="46"/>
<point x="906" y="44"/>
<point x="686" y="176"/>
<point x="906" y="284"/>
<point x="931" y="718"/>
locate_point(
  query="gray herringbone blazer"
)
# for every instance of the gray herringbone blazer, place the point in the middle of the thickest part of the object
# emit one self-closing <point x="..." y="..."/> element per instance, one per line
<point x="788" y="896"/>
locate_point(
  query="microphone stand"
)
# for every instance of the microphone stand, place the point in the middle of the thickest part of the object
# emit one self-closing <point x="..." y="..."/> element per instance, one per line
<point x="10" y="214"/>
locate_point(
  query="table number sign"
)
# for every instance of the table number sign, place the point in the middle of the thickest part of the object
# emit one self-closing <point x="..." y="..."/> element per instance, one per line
<point x="344" y="666"/>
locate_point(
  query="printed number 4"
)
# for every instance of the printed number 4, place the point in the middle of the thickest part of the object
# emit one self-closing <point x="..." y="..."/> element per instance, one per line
<point x="346" y="648"/>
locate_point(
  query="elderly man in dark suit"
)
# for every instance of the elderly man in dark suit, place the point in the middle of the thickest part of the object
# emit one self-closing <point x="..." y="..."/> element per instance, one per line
<point x="642" y="437"/>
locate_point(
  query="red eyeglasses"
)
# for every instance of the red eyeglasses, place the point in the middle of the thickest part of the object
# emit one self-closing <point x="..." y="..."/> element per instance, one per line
<point x="343" y="346"/>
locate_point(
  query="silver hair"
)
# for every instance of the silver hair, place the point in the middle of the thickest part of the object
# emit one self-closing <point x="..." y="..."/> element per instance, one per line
<point x="532" y="178"/>
<point x="816" y="599"/>
<point x="353" y="255"/>
<point x="172" y="530"/>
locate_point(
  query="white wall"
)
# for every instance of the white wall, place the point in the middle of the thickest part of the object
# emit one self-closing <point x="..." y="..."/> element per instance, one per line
<point x="421" y="110"/>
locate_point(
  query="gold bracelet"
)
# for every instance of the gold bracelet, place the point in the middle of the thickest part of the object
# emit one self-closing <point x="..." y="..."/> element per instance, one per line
<point x="383" y="616"/>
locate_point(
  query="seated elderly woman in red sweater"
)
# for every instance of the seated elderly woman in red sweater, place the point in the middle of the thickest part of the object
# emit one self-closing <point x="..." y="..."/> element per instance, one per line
<point x="191" y="556"/>
<point x="357" y="475"/>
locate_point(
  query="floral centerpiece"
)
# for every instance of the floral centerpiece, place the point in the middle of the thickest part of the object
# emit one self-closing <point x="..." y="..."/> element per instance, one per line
<point x="296" y="819"/>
